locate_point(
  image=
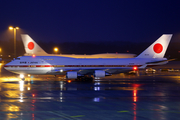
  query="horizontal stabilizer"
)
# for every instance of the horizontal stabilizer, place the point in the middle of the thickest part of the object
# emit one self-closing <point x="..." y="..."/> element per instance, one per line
<point x="160" y="61"/>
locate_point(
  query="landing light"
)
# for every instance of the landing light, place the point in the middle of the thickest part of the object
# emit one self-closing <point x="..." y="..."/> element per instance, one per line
<point x="21" y="76"/>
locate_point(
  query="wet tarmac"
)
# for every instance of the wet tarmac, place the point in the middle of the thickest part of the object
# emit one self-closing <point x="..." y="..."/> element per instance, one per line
<point x="120" y="97"/>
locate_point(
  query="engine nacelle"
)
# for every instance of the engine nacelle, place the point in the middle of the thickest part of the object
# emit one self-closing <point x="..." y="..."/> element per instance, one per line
<point x="99" y="73"/>
<point x="71" y="75"/>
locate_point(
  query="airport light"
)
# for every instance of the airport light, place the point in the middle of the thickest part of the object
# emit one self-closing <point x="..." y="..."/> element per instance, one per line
<point x="14" y="28"/>
<point x="56" y="50"/>
<point x="1" y="51"/>
<point x="11" y="28"/>
<point x="135" y="68"/>
<point x="69" y="81"/>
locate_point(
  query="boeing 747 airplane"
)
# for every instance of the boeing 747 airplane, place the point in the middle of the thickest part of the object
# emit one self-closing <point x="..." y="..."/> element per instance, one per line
<point x="78" y="68"/>
<point x="32" y="48"/>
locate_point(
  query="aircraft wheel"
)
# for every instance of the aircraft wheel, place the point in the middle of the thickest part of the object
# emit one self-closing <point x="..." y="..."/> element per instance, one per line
<point x="84" y="79"/>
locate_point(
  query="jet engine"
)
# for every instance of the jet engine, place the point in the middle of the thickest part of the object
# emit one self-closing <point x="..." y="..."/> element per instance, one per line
<point x="71" y="75"/>
<point x="99" y="73"/>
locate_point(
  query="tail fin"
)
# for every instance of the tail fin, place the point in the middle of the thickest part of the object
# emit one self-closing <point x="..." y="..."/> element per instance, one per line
<point x="31" y="47"/>
<point x="158" y="48"/>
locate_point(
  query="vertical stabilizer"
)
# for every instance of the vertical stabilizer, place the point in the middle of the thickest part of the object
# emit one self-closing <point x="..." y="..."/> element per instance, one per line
<point x="158" y="48"/>
<point x="31" y="47"/>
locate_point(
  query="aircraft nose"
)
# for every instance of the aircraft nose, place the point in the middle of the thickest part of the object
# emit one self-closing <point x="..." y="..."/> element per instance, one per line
<point x="7" y="66"/>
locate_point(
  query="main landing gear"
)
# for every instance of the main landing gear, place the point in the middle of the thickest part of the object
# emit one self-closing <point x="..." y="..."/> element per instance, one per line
<point x="84" y="79"/>
<point x="22" y="77"/>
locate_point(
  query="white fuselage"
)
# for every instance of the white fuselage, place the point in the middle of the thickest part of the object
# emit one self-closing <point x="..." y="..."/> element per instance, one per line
<point x="61" y="65"/>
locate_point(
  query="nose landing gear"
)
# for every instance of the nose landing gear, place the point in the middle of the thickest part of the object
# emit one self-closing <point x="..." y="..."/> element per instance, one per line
<point x="22" y="77"/>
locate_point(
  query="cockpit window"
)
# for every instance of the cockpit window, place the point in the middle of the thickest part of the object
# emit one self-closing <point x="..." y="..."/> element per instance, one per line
<point x="17" y="59"/>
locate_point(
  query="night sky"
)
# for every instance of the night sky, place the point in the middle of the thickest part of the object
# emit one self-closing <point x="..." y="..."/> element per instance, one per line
<point x="94" y="21"/>
<point x="91" y="20"/>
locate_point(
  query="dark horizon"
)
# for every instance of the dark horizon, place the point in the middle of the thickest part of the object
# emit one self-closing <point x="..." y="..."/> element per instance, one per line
<point x="173" y="50"/>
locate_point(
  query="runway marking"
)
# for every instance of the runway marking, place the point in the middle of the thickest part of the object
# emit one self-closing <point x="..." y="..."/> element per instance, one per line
<point x="78" y="116"/>
<point x="63" y="115"/>
<point x="158" y="110"/>
<point x="123" y="111"/>
<point x="168" y="111"/>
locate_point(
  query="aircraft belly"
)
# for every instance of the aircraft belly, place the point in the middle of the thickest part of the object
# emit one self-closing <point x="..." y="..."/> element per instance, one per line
<point x="116" y="71"/>
<point x="107" y="69"/>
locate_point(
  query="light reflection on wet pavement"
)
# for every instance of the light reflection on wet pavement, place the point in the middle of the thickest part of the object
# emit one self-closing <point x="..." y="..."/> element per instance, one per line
<point x="143" y="97"/>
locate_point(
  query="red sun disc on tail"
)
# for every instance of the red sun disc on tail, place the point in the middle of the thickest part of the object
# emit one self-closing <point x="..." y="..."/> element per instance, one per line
<point x="158" y="48"/>
<point x="30" y="45"/>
